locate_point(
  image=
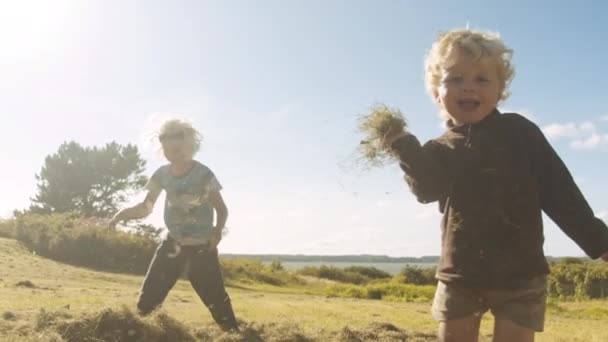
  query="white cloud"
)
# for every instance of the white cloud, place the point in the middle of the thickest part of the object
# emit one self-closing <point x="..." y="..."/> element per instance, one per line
<point x="591" y="142"/>
<point x="568" y="130"/>
<point x="582" y="136"/>
<point x="604" y="118"/>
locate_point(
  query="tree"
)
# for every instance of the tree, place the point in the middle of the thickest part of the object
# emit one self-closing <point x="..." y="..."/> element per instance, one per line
<point x="89" y="180"/>
<point x="276" y="265"/>
<point x="147" y="230"/>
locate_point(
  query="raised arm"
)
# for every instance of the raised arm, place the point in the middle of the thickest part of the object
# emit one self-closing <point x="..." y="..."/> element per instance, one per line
<point x="426" y="176"/>
<point x="138" y="211"/>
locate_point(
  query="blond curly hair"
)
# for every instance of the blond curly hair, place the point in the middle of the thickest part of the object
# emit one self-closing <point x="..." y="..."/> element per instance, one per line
<point x="477" y="45"/>
<point x="188" y="135"/>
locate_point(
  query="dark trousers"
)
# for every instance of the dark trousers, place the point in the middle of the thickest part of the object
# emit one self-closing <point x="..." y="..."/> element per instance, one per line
<point x="204" y="275"/>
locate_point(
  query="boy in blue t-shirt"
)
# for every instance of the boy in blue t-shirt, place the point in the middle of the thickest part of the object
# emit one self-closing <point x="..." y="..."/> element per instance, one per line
<point x="193" y="195"/>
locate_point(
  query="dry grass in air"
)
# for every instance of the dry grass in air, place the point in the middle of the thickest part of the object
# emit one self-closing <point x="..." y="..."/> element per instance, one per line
<point x="375" y="126"/>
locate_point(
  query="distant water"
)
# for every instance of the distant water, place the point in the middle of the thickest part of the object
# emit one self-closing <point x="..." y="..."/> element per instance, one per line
<point x="389" y="267"/>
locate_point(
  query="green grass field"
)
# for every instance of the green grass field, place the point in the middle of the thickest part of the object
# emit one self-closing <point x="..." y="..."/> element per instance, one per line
<point x="42" y="300"/>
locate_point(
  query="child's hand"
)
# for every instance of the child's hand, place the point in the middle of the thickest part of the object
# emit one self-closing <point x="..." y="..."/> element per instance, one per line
<point x="380" y="127"/>
<point x="176" y="250"/>
<point x="393" y="134"/>
<point x="604" y="257"/>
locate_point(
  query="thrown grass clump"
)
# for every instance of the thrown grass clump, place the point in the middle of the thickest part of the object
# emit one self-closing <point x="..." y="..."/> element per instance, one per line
<point x="376" y="125"/>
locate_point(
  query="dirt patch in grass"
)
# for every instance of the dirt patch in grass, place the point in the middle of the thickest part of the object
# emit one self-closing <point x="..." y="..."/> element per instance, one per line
<point x="26" y="283"/>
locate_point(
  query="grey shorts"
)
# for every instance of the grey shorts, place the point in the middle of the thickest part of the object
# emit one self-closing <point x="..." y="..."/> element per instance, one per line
<point x="524" y="305"/>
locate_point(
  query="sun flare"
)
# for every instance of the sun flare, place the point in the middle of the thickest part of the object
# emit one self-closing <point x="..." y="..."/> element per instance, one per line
<point x="30" y="27"/>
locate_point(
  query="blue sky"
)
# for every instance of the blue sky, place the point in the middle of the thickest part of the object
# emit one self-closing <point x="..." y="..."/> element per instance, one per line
<point x="275" y="87"/>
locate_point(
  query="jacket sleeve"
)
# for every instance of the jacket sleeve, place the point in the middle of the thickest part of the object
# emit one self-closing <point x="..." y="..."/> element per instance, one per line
<point x="562" y="200"/>
<point x="425" y="175"/>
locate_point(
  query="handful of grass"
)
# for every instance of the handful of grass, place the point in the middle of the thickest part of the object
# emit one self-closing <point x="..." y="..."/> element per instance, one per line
<point x="378" y="124"/>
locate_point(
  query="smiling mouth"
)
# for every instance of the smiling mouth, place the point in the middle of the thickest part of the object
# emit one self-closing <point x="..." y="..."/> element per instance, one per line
<point x="468" y="104"/>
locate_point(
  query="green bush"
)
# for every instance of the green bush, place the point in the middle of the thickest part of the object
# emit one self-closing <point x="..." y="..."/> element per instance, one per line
<point x="7" y="229"/>
<point x="88" y="242"/>
<point x="368" y="272"/>
<point x="276" y="265"/>
<point x="388" y="290"/>
<point x="569" y="279"/>
<point x="578" y="280"/>
<point x="347" y="291"/>
<point x="84" y="242"/>
<point x="417" y="276"/>
<point x="255" y="270"/>
<point x="357" y="275"/>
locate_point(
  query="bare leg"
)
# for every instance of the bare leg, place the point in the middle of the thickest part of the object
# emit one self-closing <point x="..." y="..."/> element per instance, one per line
<point x="506" y="330"/>
<point x="460" y="330"/>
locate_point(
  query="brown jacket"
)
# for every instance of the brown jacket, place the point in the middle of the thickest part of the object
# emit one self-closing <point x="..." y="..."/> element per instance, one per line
<point x="492" y="179"/>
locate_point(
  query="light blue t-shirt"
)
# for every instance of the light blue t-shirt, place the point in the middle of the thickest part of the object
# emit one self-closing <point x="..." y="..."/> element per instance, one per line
<point x="188" y="212"/>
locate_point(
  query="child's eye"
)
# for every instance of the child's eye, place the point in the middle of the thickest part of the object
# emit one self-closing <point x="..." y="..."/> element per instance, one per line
<point x="454" y="79"/>
<point x="482" y="79"/>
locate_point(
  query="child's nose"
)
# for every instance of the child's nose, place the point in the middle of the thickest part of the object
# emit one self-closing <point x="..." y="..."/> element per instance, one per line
<point x="468" y="86"/>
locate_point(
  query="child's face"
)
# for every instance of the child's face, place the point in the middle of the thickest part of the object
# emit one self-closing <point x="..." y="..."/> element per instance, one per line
<point x="174" y="152"/>
<point x="469" y="90"/>
<point x="173" y="147"/>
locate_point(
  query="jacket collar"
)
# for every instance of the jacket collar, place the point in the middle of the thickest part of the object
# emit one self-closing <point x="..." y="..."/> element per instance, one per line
<point x="482" y="123"/>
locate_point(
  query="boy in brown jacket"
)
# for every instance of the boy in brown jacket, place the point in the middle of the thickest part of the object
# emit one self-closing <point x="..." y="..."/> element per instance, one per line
<point x="493" y="175"/>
